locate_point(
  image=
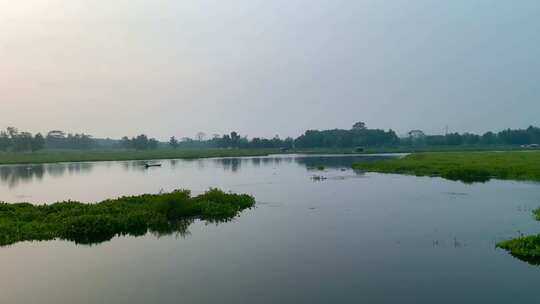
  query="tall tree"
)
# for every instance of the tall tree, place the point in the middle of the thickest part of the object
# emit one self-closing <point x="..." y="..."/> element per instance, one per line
<point x="359" y="126"/>
<point x="173" y="142"/>
<point x="5" y="141"/>
<point x="38" y="142"/>
<point x="201" y="136"/>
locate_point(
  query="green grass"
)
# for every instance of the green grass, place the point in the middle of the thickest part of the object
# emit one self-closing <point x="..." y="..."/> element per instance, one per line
<point x="135" y="215"/>
<point x="410" y="149"/>
<point x="119" y="155"/>
<point x="463" y="166"/>
<point x="458" y="148"/>
<point x="525" y="248"/>
<point x="57" y="156"/>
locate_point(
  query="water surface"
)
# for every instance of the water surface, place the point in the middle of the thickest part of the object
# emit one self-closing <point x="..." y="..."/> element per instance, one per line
<point x="350" y="238"/>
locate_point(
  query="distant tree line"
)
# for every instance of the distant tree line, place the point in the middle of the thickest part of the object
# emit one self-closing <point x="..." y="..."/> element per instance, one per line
<point x="141" y="142"/>
<point x="18" y="141"/>
<point x="232" y="140"/>
<point x="59" y="140"/>
<point x="528" y="136"/>
<point x="13" y="140"/>
<point x="358" y="136"/>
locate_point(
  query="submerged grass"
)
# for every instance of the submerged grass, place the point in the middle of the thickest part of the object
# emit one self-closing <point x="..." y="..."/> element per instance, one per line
<point x="463" y="166"/>
<point x="133" y="215"/>
<point x="119" y="155"/>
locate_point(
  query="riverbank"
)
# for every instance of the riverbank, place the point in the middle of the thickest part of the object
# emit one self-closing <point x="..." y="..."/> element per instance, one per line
<point x="136" y="215"/>
<point x="412" y="149"/>
<point x="121" y="155"/>
<point x="463" y="166"/>
<point x="57" y="156"/>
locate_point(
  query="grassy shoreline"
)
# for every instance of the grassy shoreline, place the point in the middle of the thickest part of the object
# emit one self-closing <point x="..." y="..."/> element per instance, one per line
<point x="474" y="167"/>
<point x="135" y="215"/>
<point x="10" y="158"/>
<point x="58" y="156"/>
<point x="463" y="166"/>
<point x="413" y="149"/>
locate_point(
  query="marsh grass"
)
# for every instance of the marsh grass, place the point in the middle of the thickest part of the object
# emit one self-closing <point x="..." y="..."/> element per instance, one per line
<point x="131" y="215"/>
<point x="467" y="167"/>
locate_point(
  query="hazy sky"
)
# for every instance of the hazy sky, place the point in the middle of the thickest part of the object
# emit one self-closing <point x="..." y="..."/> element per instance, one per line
<point x="113" y="68"/>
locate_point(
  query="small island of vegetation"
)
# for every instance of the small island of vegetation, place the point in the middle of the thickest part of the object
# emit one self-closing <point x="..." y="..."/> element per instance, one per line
<point x="134" y="215"/>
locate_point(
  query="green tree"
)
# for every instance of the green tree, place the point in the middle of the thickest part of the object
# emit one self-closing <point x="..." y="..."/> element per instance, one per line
<point x="38" y="142"/>
<point x="359" y="126"/>
<point x="5" y="141"/>
<point x="125" y="143"/>
<point x="22" y="142"/>
<point x="173" y="142"/>
<point x="12" y="132"/>
<point x="235" y="139"/>
<point x="153" y="143"/>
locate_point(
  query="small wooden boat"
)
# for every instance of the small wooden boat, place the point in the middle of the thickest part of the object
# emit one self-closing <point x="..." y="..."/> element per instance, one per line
<point x="151" y="165"/>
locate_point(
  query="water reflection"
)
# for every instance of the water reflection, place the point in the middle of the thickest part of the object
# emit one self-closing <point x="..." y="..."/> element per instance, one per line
<point x="533" y="261"/>
<point x="232" y="164"/>
<point x="336" y="162"/>
<point x="178" y="228"/>
<point x="348" y="229"/>
<point x="308" y="162"/>
<point x="13" y="175"/>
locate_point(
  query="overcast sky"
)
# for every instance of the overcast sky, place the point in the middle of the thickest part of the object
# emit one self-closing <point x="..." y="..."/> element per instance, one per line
<point x="170" y="67"/>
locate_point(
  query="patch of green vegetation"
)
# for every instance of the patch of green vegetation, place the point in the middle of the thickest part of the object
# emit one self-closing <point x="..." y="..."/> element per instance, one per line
<point x="525" y="248"/>
<point x="463" y="166"/>
<point x="134" y="215"/>
<point x="119" y="155"/>
<point x="410" y="149"/>
<point x="444" y="148"/>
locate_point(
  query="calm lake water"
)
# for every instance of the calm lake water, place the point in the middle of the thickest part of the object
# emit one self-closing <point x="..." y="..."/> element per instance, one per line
<point x="352" y="238"/>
